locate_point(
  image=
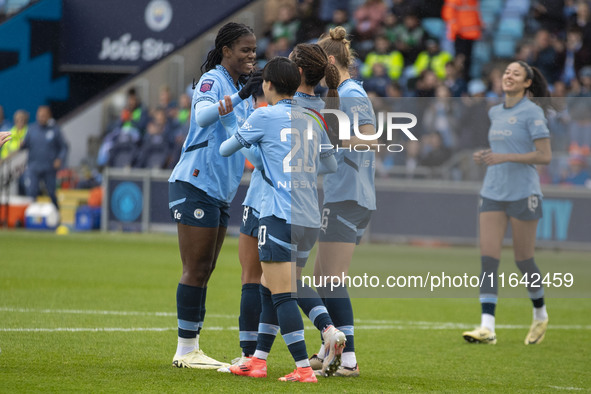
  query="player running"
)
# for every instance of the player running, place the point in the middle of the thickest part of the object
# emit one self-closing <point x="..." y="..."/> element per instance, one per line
<point x="203" y="183"/>
<point x="511" y="194"/>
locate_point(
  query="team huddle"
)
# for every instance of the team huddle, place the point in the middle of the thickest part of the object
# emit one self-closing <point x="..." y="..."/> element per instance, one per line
<point x="281" y="221"/>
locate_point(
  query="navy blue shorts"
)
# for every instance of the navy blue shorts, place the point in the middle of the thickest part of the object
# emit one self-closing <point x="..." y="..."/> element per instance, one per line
<point x="280" y="242"/>
<point x="193" y="207"/>
<point x="529" y="208"/>
<point x="344" y="221"/>
<point x="250" y="222"/>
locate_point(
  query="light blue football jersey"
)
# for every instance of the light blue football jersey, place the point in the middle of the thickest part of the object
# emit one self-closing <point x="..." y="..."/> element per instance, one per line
<point x="289" y="139"/>
<point x="254" y="196"/>
<point x="201" y="163"/>
<point x="514" y="130"/>
<point x="355" y="177"/>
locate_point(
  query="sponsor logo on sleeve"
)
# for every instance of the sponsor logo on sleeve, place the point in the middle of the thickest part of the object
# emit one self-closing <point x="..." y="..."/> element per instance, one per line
<point x="206" y="85"/>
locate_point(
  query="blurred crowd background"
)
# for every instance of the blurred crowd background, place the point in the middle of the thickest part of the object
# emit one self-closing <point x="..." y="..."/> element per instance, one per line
<point x="439" y="59"/>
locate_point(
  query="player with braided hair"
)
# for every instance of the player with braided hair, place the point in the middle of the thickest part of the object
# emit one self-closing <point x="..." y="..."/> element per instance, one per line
<point x="203" y="183"/>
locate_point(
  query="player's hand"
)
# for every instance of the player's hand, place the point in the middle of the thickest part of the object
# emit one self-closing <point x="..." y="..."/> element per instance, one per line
<point x="490" y="159"/>
<point x="4" y="136"/>
<point x="477" y="156"/>
<point x="225" y="109"/>
<point x="252" y="85"/>
<point x="57" y="163"/>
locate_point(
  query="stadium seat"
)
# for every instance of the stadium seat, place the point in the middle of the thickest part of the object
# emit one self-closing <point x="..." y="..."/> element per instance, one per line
<point x="511" y="26"/>
<point x="491" y="7"/>
<point x="504" y="46"/>
<point x="517" y="7"/>
<point x="435" y="27"/>
<point x="481" y="52"/>
<point x="122" y="154"/>
<point x="155" y="158"/>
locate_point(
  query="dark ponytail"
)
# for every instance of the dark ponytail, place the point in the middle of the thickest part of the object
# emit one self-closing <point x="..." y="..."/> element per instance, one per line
<point x="540" y="94"/>
<point x="228" y="33"/>
<point x="539" y="90"/>
<point x="332" y="78"/>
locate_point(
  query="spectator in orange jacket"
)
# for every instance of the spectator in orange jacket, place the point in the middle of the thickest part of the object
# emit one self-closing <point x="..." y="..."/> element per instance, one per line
<point x="464" y="26"/>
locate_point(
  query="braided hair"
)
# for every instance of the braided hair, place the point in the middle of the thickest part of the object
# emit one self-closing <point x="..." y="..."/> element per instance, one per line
<point x="226" y="37"/>
<point x="315" y="66"/>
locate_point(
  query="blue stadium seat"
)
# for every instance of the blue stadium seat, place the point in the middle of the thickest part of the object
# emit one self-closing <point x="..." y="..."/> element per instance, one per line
<point x="435" y="27"/>
<point x="504" y="46"/>
<point x="481" y="52"/>
<point x="491" y="6"/>
<point x="511" y="26"/>
<point x="489" y="20"/>
<point x="517" y="7"/>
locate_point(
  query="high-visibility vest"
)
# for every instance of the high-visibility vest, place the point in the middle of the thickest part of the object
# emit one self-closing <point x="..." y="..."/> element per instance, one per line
<point x="436" y="63"/>
<point x="463" y="19"/>
<point x="14" y="144"/>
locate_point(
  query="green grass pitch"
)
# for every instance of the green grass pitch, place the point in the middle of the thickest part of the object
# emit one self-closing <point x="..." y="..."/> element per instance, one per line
<point x="96" y="313"/>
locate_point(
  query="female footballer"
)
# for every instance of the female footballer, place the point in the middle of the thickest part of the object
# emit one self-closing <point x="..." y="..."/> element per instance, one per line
<point x="519" y="139"/>
<point x="349" y="200"/>
<point x="313" y="66"/>
<point x="288" y="227"/>
<point x="203" y="183"/>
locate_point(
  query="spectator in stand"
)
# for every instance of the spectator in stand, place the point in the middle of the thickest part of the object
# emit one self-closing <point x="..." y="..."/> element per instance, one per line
<point x="577" y="55"/>
<point x="576" y="174"/>
<point x="578" y="104"/>
<point x="454" y="80"/>
<point x="5" y="125"/>
<point x="429" y="8"/>
<point x="340" y="17"/>
<point x="495" y="85"/>
<point x="474" y="122"/>
<point x="426" y="84"/>
<point x="47" y="152"/>
<point x="524" y="51"/>
<point x="134" y="114"/>
<point x="125" y="135"/>
<point x="433" y="58"/>
<point x="183" y="113"/>
<point x="286" y="26"/>
<point x="157" y="142"/>
<point x="559" y="118"/>
<point x="463" y="28"/>
<point x="368" y="19"/>
<point x="582" y="19"/>
<point x="548" y="55"/>
<point x="409" y="37"/>
<point x="379" y="81"/>
<point x="549" y="14"/>
<point x="165" y="101"/>
<point x="434" y="152"/>
<point x="17" y="134"/>
<point x="442" y="116"/>
<point x="392" y="60"/>
<point x="311" y="26"/>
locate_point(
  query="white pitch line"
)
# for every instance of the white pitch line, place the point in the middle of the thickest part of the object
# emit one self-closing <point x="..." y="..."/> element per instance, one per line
<point x="449" y="326"/>
<point x="566" y="388"/>
<point x="359" y="323"/>
<point x="99" y="312"/>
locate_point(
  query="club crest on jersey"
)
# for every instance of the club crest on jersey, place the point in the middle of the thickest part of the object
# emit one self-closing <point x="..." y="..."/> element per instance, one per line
<point x="199" y="213"/>
<point x="206" y="85"/>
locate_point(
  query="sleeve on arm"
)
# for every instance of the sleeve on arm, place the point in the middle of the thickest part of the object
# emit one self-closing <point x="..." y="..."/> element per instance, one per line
<point x="537" y="125"/>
